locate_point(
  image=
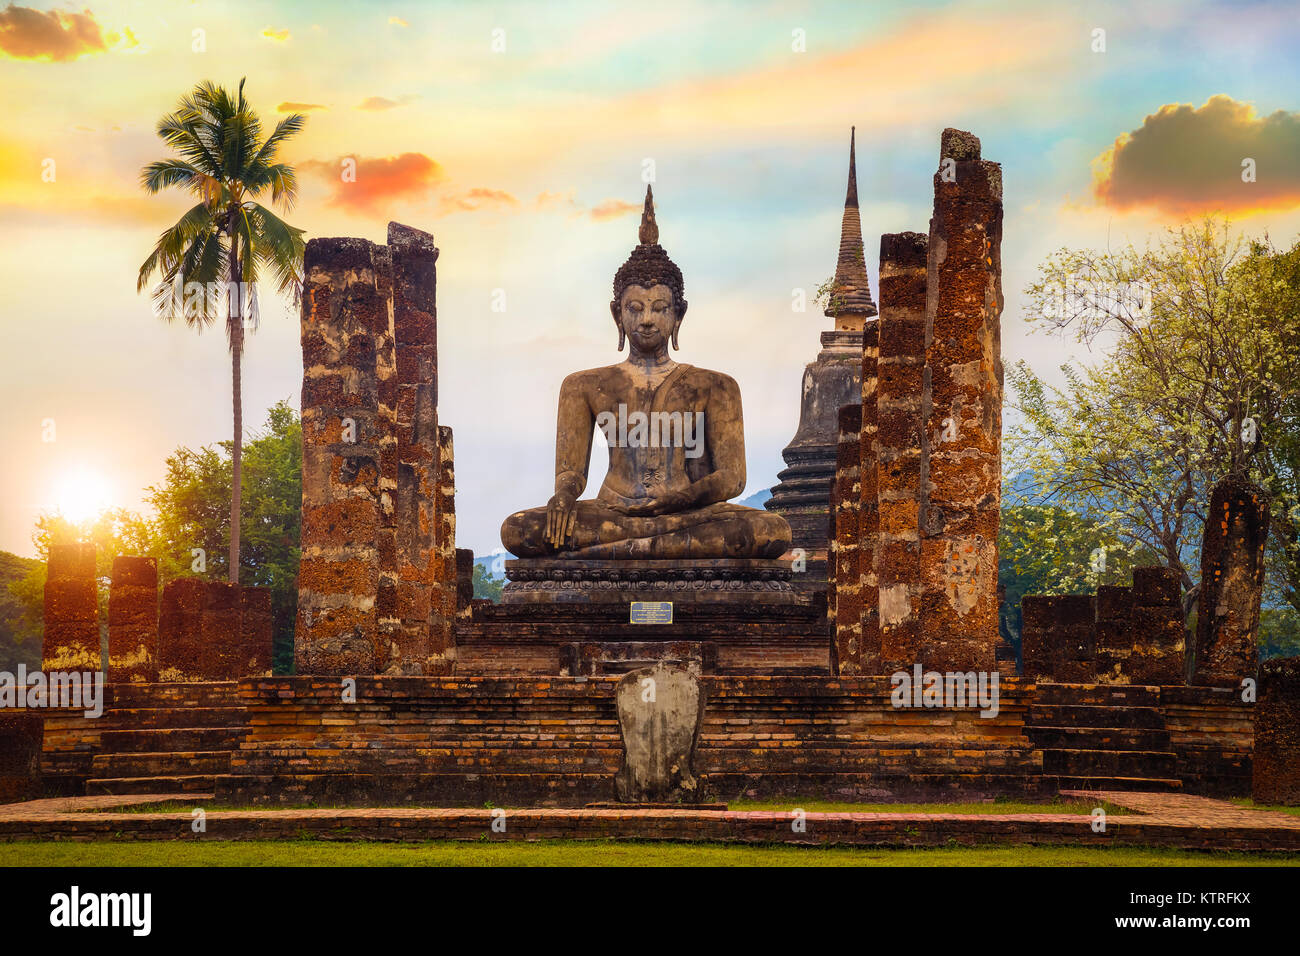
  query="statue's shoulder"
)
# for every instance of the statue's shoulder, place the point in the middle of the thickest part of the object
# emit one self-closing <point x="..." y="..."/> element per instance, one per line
<point x="707" y="378"/>
<point x="588" y="377"/>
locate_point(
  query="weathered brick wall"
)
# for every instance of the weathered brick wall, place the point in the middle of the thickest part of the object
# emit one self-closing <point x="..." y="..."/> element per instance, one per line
<point x="959" y="552"/>
<point x="844" y="594"/>
<point x="71" y="610"/>
<point x="1277" y="733"/>
<point x="1123" y="635"/>
<point x="212" y="630"/>
<point x="133" y="620"/>
<point x="376" y="570"/>
<point x="901" y="377"/>
<point x="21" y="736"/>
<point x="1232" y="581"/>
<point x="556" y="741"/>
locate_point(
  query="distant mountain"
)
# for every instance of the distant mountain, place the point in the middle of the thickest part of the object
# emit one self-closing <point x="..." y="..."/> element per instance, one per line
<point x="756" y="499"/>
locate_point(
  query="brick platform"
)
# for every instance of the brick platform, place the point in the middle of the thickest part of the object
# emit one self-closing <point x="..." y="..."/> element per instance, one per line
<point x="1160" y="820"/>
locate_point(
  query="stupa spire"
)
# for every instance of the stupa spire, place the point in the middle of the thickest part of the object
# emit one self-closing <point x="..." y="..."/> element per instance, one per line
<point x="851" y="292"/>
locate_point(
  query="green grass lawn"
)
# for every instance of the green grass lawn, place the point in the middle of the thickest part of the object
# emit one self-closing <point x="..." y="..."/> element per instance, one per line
<point x="1252" y="805"/>
<point x="593" y="853"/>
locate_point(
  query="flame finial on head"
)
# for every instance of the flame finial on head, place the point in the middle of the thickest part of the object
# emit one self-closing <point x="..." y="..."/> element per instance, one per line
<point x="649" y="234"/>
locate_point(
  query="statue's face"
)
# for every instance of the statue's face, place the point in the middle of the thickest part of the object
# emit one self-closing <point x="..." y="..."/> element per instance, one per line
<point x="648" y="316"/>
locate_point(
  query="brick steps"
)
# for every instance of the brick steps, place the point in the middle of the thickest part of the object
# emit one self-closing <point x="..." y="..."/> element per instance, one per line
<point x="1110" y="763"/>
<point x="1114" y="738"/>
<point x="1111" y="695"/>
<point x="171" y="739"/>
<point x="1094" y="715"/>
<point x="107" y="765"/>
<point x="180" y="783"/>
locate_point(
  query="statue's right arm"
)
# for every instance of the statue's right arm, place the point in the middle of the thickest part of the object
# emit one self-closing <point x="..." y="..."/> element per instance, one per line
<point x="574" y="424"/>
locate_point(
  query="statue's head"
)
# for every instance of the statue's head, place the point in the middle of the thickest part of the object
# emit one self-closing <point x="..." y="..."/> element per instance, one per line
<point x="648" y="306"/>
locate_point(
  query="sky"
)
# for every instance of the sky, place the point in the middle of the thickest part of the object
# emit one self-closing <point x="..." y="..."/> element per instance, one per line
<point x="520" y="136"/>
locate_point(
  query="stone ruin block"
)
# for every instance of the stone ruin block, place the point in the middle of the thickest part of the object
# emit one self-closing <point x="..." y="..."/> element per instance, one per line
<point x="464" y="580"/>
<point x="1160" y="647"/>
<point x="660" y="712"/>
<point x="213" y="630"/>
<point x="219" y="633"/>
<point x="256" y="632"/>
<point x="1057" y="639"/>
<point x="1276" y="765"/>
<point x="180" y="645"/>
<point x="900" y="372"/>
<point x="72" y="641"/>
<point x="1232" y="583"/>
<point x="133" y="620"/>
<point x="844" y="592"/>
<point x="22" y="735"/>
<point x="442" y="649"/>
<point x="963" y="407"/>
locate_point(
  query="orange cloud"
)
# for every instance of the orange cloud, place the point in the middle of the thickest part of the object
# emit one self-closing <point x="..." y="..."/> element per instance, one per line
<point x="380" y="103"/>
<point x="612" y="209"/>
<point x="289" y="106"/>
<point x="278" y="35"/>
<point x="363" y="184"/>
<point x="476" y="199"/>
<point x="1185" y="160"/>
<point x="27" y="34"/>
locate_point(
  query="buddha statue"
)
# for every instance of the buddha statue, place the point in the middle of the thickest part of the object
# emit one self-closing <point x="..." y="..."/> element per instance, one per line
<point x="676" y="443"/>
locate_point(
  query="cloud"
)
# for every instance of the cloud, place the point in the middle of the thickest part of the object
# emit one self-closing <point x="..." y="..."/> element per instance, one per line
<point x="289" y="106"/>
<point x="1184" y="160"/>
<point x="612" y="209"/>
<point x="379" y="103"/>
<point x="378" y="180"/>
<point x="27" y="34"/>
<point x="397" y="22"/>
<point x="277" y="35"/>
<point x="477" y="199"/>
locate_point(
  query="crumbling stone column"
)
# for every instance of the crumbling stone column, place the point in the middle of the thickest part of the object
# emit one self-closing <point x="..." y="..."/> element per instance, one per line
<point x="464" y="580"/>
<point x="1158" y="626"/>
<point x="1232" y="583"/>
<point x="71" y="610"/>
<point x="442" y="647"/>
<point x="180" y="622"/>
<point x="962" y="483"/>
<point x="1276" y="765"/>
<point x="133" y="620"/>
<point x="901" y="380"/>
<point x="344" y="319"/>
<point x="868" y="508"/>
<point x="415" y="326"/>
<point x="844" y="594"/>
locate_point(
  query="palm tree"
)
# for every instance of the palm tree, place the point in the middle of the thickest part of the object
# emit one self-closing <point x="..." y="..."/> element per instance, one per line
<point x="228" y="238"/>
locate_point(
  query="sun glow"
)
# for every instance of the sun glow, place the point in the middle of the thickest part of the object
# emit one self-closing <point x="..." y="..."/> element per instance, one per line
<point x="81" y="494"/>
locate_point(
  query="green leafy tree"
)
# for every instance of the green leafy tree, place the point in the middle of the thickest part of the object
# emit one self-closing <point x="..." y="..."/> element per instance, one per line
<point x="486" y="585"/>
<point x="1202" y="365"/>
<point x="1051" y="550"/>
<point x="226" y="241"/>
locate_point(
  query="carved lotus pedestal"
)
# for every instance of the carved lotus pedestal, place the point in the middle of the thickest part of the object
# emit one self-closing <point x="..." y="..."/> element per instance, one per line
<point x="711" y="581"/>
<point x="573" y="618"/>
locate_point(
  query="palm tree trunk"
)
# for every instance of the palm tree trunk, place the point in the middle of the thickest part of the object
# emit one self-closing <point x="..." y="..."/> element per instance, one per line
<point x="236" y="329"/>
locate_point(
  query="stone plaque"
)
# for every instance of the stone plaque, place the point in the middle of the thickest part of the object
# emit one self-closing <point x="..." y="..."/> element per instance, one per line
<point x="651" y="612"/>
<point x="660" y="710"/>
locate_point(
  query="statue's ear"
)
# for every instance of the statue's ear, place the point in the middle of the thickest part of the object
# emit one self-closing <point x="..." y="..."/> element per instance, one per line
<point x="622" y="336"/>
<point x="681" y="314"/>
